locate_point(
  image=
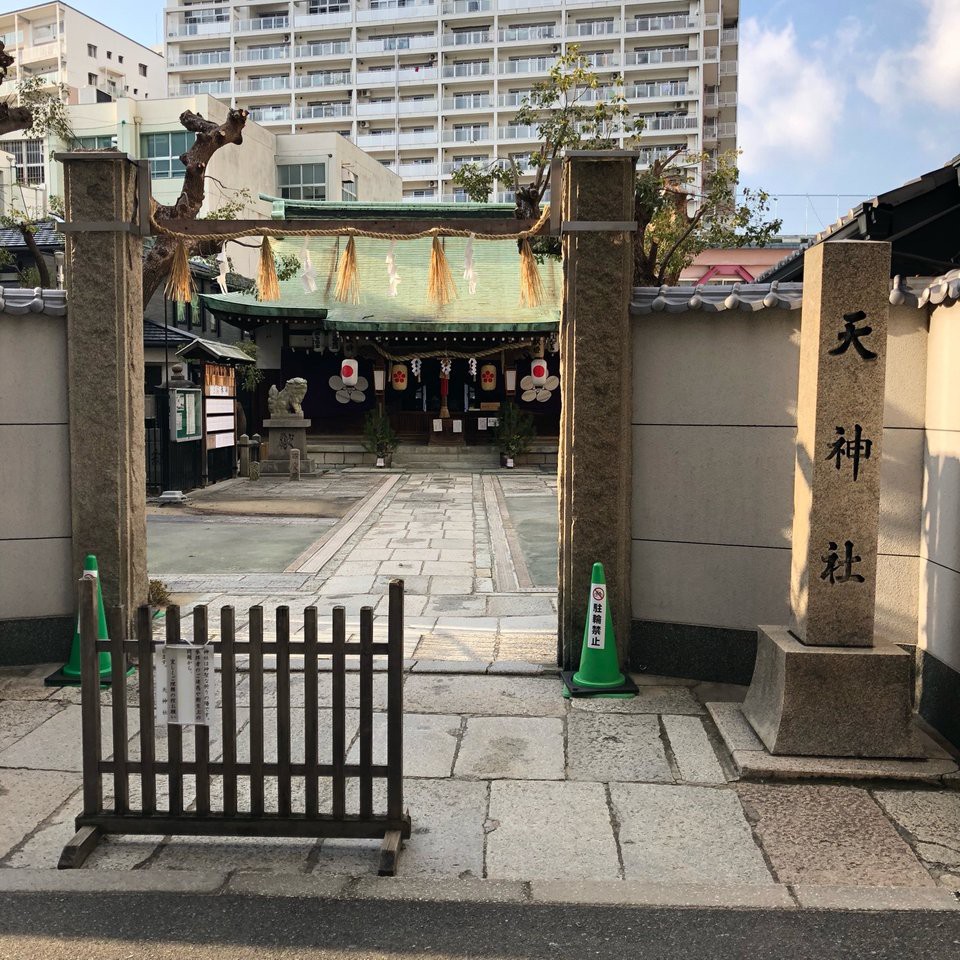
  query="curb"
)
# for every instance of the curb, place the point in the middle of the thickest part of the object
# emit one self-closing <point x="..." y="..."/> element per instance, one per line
<point x="599" y="893"/>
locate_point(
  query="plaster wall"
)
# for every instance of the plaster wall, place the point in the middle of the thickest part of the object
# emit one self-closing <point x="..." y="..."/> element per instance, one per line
<point x="939" y="568"/>
<point x="714" y="428"/>
<point x="35" y="520"/>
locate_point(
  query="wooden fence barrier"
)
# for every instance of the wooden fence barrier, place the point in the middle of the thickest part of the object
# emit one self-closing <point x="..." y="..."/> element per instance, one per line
<point x="141" y="810"/>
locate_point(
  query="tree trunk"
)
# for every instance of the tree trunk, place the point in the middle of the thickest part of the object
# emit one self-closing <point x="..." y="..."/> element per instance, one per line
<point x="211" y="136"/>
<point x="31" y="243"/>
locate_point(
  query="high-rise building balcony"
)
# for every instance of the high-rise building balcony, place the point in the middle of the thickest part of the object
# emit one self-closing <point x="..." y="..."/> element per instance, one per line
<point x="262" y="23"/>
<point x="730" y="35"/>
<point x="454" y="7"/>
<point x="416" y="171"/>
<point x="210" y="59"/>
<point x="650" y="155"/>
<point x="503" y="5"/>
<point x="529" y="65"/>
<point x="215" y="88"/>
<point x="600" y="28"/>
<point x="273" y="114"/>
<point x="458" y="70"/>
<point x="669" y="90"/>
<point x="518" y="132"/>
<point x="512" y="99"/>
<point x="468" y="101"/>
<point x="406" y="75"/>
<point x="450" y="167"/>
<point x="393" y="10"/>
<point x="654" y="57"/>
<point x="654" y="24"/>
<point x="470" y="38"/>
<point x="331" y="78"/>
<point x="325" y="111"/>
<point x="209" y="28"/>
<point x="263" y="54"/>
<point x="40" y="52"/>
<point x="389" y="44"/>
<point x="263" y="84"/>
<point x="323" y="48"/>
<point x="529" y="34"/>
<point x="405" y="108"/>
<point x="333" y="17"/>
<point x="654" y="125"/>
<point x="477" y="133"/>
<point x="602" y="61"/>
<point x="728" y="68"/>
<point x="715" y="99"/>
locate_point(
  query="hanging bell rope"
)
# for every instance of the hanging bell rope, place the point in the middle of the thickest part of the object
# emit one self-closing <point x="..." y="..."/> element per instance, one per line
<point x="348" y="275"/>
<point x="531" y="284"/>
<point x="268" y="287"/>
<point x="440" y="286"/>
<point x="180" y="282"/>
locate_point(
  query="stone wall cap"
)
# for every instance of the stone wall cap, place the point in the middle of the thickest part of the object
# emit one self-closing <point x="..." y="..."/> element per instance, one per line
<point x="17" y="301"/>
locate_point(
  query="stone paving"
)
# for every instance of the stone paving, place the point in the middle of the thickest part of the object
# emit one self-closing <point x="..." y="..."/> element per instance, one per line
<point x="507" y="780"/>
<point x="469" y="595"/>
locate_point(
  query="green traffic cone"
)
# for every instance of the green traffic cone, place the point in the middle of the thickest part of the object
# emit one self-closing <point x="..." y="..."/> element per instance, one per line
<point x="599" y="673"/>
<point x="71" y="669"/>
<point x="69" y="674"/>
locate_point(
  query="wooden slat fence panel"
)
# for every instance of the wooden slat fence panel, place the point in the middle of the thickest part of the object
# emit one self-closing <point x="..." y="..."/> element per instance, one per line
<point x="204" y="816"/>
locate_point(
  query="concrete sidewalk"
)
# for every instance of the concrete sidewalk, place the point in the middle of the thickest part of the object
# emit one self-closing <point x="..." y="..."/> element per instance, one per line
<point x="516" y="792"/>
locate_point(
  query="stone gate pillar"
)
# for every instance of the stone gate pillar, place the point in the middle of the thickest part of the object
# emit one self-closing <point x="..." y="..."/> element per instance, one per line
<point x="105" y="370"/>
<point x="597" y="200"/>
<point x="825" y="686"/>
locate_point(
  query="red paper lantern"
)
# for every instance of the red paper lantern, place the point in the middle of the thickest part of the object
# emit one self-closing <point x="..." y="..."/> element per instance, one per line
<point x="398" y="376"/>
<point x="488" y="377"/>
<point x="349" y="373"/>
<point x="539" y="372"/>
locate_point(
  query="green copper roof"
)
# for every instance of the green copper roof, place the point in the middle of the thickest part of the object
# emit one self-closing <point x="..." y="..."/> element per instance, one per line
<point x="336" y="210"/>
<point x="494" y="308"/>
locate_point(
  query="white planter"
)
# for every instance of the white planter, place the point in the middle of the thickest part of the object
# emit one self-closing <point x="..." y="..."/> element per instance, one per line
<point x="380" y="462"/>
<point x="509" y="463"/>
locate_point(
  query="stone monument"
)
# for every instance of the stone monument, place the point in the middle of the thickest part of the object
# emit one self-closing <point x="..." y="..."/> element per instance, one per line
<point x="286" y="428"/>
<point x="824" y="686"/>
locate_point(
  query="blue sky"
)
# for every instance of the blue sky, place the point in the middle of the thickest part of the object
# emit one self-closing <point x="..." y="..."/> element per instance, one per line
<point x="848" y="97"/>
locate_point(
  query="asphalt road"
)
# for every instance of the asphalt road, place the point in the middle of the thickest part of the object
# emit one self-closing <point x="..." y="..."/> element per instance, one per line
<point x="225" y="927"/>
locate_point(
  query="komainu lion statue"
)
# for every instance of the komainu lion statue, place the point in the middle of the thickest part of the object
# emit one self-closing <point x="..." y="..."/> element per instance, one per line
<point x="286" y="402"/>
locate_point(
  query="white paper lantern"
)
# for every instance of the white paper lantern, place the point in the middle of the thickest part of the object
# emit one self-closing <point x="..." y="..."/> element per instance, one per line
<point x="349" y="373"/>
<point x="539" y="372"/>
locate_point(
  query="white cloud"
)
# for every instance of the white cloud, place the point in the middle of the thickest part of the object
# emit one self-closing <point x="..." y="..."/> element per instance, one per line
<point x="928" y="71"/>
<point x="790" y="102"/>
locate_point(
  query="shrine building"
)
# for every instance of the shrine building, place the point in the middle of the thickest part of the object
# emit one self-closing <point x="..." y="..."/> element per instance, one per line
<point x="441" y="373"/>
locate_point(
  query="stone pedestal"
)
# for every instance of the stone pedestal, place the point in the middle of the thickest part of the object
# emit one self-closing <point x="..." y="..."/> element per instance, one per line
<point x="831" y="702"/>
<point x="283" y="435"/>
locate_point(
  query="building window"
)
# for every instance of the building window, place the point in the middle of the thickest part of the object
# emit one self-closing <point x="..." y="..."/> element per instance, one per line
<point x="92" y="79"/>
<point x="143" y="69"/>
<point x="27" y="160"/>
<point x="91" y="50"/>
<point x="119" y="58"/>
<point x="105" y="142"/>
<point x="303" y="181"/>
<point x="163" y="151"/>
<point x="349" y="188"/>
<point x="109" y="54"/>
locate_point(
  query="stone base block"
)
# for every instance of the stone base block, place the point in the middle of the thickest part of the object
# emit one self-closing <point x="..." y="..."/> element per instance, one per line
<point x="831" y="701"/>
<point x="282" y="467"/>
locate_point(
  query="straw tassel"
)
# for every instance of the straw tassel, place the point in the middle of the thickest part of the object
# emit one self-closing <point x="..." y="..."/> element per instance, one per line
<point x="531" y="284"/>
<point x="180" y="283"/>
<point x="348" y="275"/>
<point x="268" y="287"/>
<point x="440" y="286"/>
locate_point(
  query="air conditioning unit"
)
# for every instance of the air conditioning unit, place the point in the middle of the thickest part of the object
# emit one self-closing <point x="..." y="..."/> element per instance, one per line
<point x="363" y="123"/>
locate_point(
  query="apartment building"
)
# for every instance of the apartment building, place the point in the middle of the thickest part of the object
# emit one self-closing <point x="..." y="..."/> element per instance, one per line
<point x="425" y="86"/>
<point x="93" y="63"/>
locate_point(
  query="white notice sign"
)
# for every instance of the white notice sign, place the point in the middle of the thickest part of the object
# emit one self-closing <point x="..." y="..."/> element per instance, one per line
<point x="438" y="426"/>
<point x="481" y="423"/>
<point x="596" y="633"/>
<point x="458" y="426"/>
<point x="184" y="685"/>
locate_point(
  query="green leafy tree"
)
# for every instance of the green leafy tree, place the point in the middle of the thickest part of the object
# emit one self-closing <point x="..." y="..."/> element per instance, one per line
<point x="249" y="375"/>
<point x="570" y="108"/>
<point x="676" y="221"/>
